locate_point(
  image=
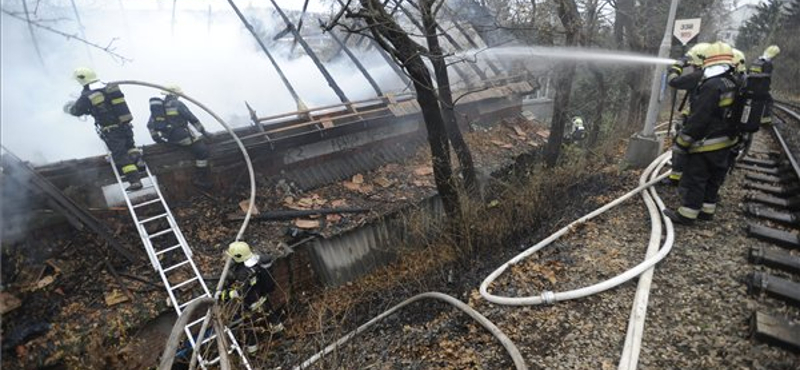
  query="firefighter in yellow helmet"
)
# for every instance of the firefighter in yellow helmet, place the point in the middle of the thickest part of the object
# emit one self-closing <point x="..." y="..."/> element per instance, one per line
<point x="707" y="137"/>
<point x="739" y="61"/>
<point x="685" y="75"/>
<point x="249" y="287"/>
<point x="112" y="120"/>
<point x="169" y="123"/>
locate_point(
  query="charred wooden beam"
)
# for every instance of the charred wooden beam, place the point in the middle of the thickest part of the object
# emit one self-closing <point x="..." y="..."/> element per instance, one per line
<point x="311" y="54"/>
<point x="286" y="83"/>
<point x="464" y="76"/>
<point x="290" y="214"/>
<point x="355" y="60"/>
<point x="27" y="176"/>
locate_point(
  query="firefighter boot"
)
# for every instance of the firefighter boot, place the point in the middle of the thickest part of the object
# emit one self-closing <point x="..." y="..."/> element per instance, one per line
<point x="202" y="178"/>
<point x="135" y="182"/>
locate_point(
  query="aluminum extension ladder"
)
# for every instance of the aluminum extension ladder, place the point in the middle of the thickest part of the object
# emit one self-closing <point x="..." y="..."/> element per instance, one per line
<point x="154" y="214"/>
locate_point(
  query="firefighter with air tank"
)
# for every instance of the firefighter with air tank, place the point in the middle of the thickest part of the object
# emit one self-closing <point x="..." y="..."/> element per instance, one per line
<point x="725" y="106"/>
<point x="169" y="123"/>
<point x="112" y="119"/>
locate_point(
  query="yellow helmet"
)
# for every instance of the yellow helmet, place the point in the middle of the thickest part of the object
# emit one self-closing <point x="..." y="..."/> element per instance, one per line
<point x="718" y="53"/>
<point x="84" y="75"/>
<point x="239" y="251"/>
<point x="697" y="53"/>
<point x="739" y="61"/>
<point x="172" y="90"/>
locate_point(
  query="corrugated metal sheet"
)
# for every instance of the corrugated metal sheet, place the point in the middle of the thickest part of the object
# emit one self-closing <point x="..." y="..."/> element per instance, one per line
<point x="349" y="255"/>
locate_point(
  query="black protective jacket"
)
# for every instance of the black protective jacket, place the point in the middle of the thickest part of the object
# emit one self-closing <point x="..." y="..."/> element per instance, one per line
<point x="709" y="126"/>
<point x="106" y="104"/>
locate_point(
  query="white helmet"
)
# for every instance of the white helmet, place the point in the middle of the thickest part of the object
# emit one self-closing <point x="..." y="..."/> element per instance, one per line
<point x="172" y="90"/>
<point x="239" y="251"/>
<point x="84" y="75"/>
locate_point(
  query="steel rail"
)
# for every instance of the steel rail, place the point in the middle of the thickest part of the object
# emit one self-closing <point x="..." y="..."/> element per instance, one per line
<point x="784" y="145"/>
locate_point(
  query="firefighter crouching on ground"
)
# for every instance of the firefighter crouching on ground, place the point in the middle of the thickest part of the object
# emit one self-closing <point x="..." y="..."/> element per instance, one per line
<point x="682" y="79"/>
<point x="707" y="138"/>
<point x="250" y="286"/>
<point x="169" y="123"/>
<point x="112" y="120"/>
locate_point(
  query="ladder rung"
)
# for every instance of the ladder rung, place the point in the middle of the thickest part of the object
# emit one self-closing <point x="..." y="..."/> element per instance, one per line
<point x="168" y="249"/>
<point x="195" y="322"/>
<point x="153" y="218"/>
<point x="162" y="232"/>
<point x="182" y="305"/>
<point x="185" y="283"/>
<point x="168" y="269"/>
<point x="142" y="204"/>
<point x="210" y="338"/>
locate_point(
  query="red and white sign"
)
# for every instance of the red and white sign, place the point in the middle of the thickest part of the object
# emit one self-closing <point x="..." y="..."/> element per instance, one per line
<point x="686" y="29"/>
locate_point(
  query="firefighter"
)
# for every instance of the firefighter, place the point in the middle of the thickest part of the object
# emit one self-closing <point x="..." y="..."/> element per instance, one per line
<point x="112" y="120"/>
<point x="761" y="70"/>
<point x="681" y="78"/>
<point x="707" y="137"/>
<point x="575" y="130"/>
<point x="251" y="285"/>
<point x="169" y="123"/>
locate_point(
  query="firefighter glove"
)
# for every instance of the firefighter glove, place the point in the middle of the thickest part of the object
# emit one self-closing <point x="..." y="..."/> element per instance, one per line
<point x="676" y="68"/>
<point x="68" y="106"/>
<point x="159" y="138"/>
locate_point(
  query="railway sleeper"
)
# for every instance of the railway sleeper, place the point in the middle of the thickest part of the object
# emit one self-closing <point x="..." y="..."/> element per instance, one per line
<point x="785" y="179"/>
<point x="772" y="235"/>
<point x="760" y="162"/>
<point x="759" y="169"/>
<point x="773" y="189"/>
<point x="780" y="288"/>
<point x="792" y="204"/>
<point x="787" y="218"/>
<point x="777" y="258"/>
<point x="775" y="330"/>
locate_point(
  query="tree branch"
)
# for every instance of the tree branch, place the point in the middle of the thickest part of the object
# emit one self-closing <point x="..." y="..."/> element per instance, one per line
<point x="108" y="48"/>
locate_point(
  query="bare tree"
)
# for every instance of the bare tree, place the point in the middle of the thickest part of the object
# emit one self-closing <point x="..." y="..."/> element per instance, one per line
<point x="385" y="30"/>
<point x="571" y="21"/>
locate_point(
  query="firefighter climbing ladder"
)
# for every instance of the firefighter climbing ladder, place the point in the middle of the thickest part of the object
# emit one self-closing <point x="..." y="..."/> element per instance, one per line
<point x="177" y="257"/>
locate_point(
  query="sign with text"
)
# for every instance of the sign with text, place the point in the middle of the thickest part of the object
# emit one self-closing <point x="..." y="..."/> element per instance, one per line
<point x="686" y="29"/>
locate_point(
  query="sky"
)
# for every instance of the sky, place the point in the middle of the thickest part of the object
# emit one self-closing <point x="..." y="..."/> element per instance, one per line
<point x="214" y="59"/>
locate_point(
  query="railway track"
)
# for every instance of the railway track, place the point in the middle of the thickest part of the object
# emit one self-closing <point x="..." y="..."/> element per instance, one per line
<point x="773" y="207"/>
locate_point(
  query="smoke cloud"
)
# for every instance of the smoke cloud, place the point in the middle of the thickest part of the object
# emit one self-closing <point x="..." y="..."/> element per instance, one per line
<point x="210" y="55"/>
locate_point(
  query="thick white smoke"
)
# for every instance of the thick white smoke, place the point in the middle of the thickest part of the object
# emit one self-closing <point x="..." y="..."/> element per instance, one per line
<point x="213" y="58"/>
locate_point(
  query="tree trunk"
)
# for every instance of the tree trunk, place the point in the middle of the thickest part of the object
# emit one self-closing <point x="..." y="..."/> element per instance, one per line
<point x="384" y="27"/>
<point x="570" y="19"/>
<point x="594" y="129"/>
<point x="460" y="146"/>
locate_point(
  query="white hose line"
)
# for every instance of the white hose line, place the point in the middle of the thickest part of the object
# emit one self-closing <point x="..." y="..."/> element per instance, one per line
<point x="519" y="362"/>
<point x="250" y="207"/>
<point x="551" y="297"/>
<point x="239" y="143"/>
<point x="633" y="340"/>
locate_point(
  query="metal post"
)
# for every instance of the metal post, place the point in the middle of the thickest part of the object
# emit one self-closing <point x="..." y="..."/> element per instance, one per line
<point x="644" y="147"/>
<point x="311" y="54"/>
<point x="653" y="105"/>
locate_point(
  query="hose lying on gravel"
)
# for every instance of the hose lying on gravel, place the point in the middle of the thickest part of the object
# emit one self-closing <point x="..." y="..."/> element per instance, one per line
<point x="551" y="297"/>
<point x="512" y="350"/>
<point x="633" y="339"/>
